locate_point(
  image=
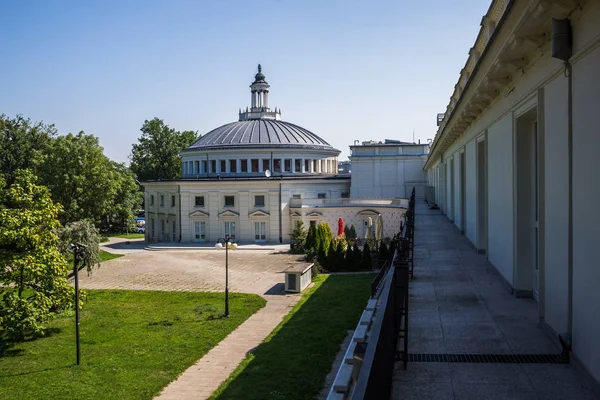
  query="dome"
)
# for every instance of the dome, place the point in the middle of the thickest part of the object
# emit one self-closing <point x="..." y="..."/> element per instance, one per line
<point x="261" y="133"/>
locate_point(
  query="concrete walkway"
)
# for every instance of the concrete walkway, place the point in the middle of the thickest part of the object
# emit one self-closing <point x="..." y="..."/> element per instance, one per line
<point x="204" y="377"/>
<point x="458" y="305"/>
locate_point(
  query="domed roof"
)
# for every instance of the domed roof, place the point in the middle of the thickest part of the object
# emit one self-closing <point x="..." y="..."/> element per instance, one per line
<point x="261" y="133"/>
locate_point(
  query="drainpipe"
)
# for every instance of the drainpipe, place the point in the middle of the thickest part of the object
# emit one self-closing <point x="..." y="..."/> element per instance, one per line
<point x="179" y="195"/>
<point x="280" y="215"/>
<point x="569" y="72"/>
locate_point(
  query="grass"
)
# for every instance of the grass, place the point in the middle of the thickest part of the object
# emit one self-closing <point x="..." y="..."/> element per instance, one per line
<point x="295" y="358"/>
<point x="128" y="235"/>
<point x="105" y="255"/>
<point x="133" y="343"/>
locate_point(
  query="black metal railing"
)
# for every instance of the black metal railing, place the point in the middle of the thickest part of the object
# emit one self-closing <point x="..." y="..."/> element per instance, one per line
<point x="388" y="339"/>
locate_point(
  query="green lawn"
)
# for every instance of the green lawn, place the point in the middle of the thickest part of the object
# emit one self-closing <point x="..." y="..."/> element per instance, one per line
<point x="105" y="255"/>
<point x="294" y="360"/>
<point x="133" y="343"/>
<point x="129" y="235"/>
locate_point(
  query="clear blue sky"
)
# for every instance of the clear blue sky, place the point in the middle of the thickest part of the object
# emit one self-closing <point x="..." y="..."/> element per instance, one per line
<point x="343" y="69"/>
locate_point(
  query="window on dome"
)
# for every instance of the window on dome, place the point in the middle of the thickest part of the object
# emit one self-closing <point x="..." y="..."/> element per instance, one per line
<point x="254" y="162"/>
<point x="232" y="165"/>
<point x="204" y="167"/>
<point x="298" y="165"/>
<point x="244" y="166"/>
<point x="277" y="165"/>
<point x="306" y="165"/>
<point x="223" y="166"/>
<point x="266" y="165"/>
<point x="288" y="165"/>
<point x="213" y="166"/>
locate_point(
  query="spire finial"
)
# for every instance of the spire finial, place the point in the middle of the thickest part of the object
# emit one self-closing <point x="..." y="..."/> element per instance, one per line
<point x="259" y="68"/>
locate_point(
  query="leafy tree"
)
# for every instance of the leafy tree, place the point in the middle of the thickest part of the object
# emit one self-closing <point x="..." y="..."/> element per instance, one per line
<point x="22" y="144"/>
<point x="81" y="232"/>
<point x="80" y="177"/>
<point x="383" y="251"/>
<point x="32" y="270"/>
<point x="127" y="200"/>
<point x="156" y="155"/>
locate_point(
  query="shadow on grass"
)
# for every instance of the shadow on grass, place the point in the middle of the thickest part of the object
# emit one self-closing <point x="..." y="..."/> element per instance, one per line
<point x="7" y="343"/>
<point x="295" y="359"/>
<point x="38" y="371"/>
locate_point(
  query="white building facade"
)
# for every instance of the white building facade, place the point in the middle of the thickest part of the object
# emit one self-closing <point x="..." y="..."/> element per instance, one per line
<point x="253" y="179"/>
<point x="390" y="169"/>
<point x="515" y="160"/>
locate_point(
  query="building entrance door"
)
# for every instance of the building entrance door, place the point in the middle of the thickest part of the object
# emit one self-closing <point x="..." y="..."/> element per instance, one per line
<point x="260" y="231"/>
<point x="199" y="231"/>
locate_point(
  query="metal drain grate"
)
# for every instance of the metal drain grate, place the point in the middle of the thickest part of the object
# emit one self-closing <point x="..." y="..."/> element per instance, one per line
<point x="486" y="358"/>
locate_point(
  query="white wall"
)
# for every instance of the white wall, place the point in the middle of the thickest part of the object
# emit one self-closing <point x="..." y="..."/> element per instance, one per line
<point x="586" y="211"/>
<point x="556" y="202"/>
<point x="471" y="192"/>
<point x="500" y="196"/>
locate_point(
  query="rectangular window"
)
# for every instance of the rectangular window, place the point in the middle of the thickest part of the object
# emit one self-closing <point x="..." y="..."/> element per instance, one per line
<point x="162" y="200"/>
<point x="213" y="166"/>
<point x="288" y="165"/>
<point x="259" y="201"/>
<point x="306" y="165"/>
<point x="260" y="231"/>
<point x="345" y="195"/>
<point x="229" y="229"/>
<point x="229" y="201"/>
<point x="298" y="165"/>
<point x="296" y="196"/>
<point x="244" y="165"/>
<point x="277" y="165"/>
<point x="199" y="201"/>
<point x="223" y="166"/>
<point x="254" y="165"/>
<point x="321" y="195"/>
<point x="204" y="167"/>
<point x="313" y="224"/>
<point x="151" y="199"/>
<point x="266" y="165"/>
<point x="172" y="201"/>
<point x="232" y="165"/>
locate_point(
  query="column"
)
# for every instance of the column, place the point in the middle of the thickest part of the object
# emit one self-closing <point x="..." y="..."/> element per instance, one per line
<point x="318" y="166"/>
<point x="227" y="167"/>
<point x="238" y="165"/>
<point x="260" y="165"/>
<point x="266" y="99"/>
<point x="253" y="103"/>
<point x="293" y="165"/>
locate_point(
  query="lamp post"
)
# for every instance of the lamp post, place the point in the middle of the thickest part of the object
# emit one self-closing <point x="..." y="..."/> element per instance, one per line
<point x="229" y="242"/>
<point x="79" y="256"/>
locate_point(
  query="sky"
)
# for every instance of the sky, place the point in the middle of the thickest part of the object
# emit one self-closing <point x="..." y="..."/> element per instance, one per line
<point x="346" y="70"/>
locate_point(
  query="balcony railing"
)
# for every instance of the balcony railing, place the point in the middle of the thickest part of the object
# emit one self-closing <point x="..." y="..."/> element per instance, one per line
<point x="355" y="202"/>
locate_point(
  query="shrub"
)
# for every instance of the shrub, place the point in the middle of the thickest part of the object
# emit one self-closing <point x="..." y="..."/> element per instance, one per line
<point x="310" y="242"/>
<point x="383" y="251"/>
<point x="366" y="261"/>
<point x="298" y="237"/>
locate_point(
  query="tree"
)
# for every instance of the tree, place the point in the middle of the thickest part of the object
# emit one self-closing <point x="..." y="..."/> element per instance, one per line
<point x="127" y="200"/>
<point x="80" y="177"/>
<point x="366" y="262"/>
<point x="22" y="144"/>
<point x="81" y="232"/>
<point x="32" y="270"/>
<point x="156" y="155"/>
<point x="298" y="237"/>
<point x="311" y="238"/>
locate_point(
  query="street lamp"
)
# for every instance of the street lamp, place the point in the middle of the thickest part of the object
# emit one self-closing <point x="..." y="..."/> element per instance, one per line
<point x="229" y="243"/>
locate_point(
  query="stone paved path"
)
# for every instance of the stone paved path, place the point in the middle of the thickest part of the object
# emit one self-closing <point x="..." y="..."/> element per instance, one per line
<point x="250" y="271"/>
<point x="458" y="305"/>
